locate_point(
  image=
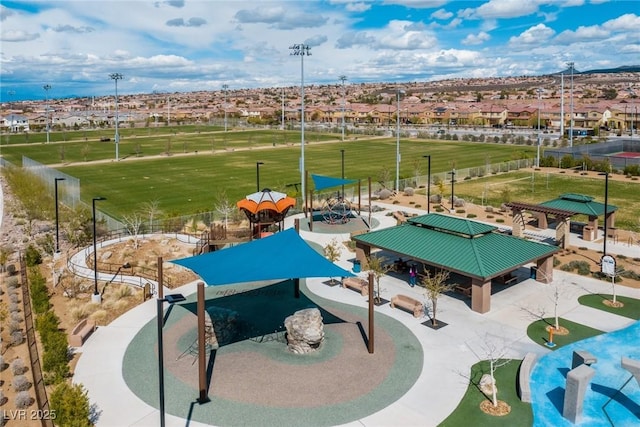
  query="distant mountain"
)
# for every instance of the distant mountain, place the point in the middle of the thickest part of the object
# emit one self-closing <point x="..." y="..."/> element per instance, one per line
<point x="622" y="69"/>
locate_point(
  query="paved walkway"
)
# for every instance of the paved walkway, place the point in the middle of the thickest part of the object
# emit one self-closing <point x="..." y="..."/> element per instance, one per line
<point x="447" y="351"/>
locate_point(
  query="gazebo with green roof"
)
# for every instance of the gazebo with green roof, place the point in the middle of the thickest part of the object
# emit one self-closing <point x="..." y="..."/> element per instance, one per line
<point x="585" y="205"/>
<point x="470" y="248"/>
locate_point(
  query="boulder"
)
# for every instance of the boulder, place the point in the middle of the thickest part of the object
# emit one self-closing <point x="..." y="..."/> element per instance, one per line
<point x="305" y="331"/>
<point x="487" y="385"/>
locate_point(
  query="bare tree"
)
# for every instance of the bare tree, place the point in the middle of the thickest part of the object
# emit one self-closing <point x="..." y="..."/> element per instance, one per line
<point x="222" y="206"/>
<point x="133" y="223"/>
<point x="434" y="287"/>
<point x="495" y="354"/>
<point x="417" y="169"/>
<point x="379" y="267"/>
<point x="151" y="208"/>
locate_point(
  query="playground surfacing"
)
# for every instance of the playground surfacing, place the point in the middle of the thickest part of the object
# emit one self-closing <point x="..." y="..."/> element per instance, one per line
<point x="255" y="380"/>
<point x="353" y="224"/>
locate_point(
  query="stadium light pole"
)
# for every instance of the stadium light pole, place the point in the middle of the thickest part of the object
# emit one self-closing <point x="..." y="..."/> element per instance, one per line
<point x="96" y="298"/>
<point x="453" y="180"/>
<point x="224" y="88"/>
<point x="171" y="299"/>
<point x="342" y="158"/>
<point x="606" y="208"/>
<point x="301" y="49"/>
<point x="46" y="88"/>
<point x="571" y="64"/>
<point x="343" y="78"/>
<point x="539" y="90"/>
<point x="258" y="175"/>
<point x="282" y="112"/>
<point x="55" y="180"/>
<point x="428" y="157"/>
<point x="398" y="93"/>
<point x="116" y="77"/>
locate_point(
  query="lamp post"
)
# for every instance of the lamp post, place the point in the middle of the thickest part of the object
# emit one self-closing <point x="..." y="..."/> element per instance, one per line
<point x="301" y="49"/>
<point x="96" y="298"/>
<point x="258" y="174"/>
<point x="46" y="88"/>
<point x="428" y="157"/>
<point x="606" y="208"/>
<point x="55" y="180"/>
<point x="116" y="77"/>
<point x="571" y="64"/>
<point x="398" y="92"/>
<point x="453" y="180"/>
<point x="539" y="90"/>
<point x="342" y="158"/>
<point x="342" y="79"/>
<point x="224" y="88"/>
<point x="171" y="299"/>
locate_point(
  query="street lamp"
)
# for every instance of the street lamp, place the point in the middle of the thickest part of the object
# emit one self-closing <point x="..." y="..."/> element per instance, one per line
<point x="171" y="299"/>
<point x="453" y="180"/>
<point x="224" y="88"/>
<point x="116" y="77"/>
<point x="96" y="298"/>
<point x="606" y="208"/>
<point x="301" y="49"/>
<point x="539" y="90"/>
<point x="342" y="79"/>
<point x="46" y="88"/>
<point x="55" y="180"/>
<point x="398" y="92"/>
<point x="428" y="157"/>
<point x="571" y="64"/>
<point x="258" y="174"/>
<point x="342" y="158"/>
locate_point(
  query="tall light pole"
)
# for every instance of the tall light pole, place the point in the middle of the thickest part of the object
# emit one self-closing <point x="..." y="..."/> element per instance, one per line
<point x="116" y="77"/>
<point x="398" y="93"/>
<point x="343" y="78"/>
<point x="301" y="50"/>
<point x="224" y="88"/>
<point x="428" y="157"/>
<point x="258" y="175"/>
<point x="282" y="113"/>
<point x="539" y="90"/>
<point x="55" y="180"/>
<point x="606" y="208"/>
<point x="571" y="64"/>
<point x="562" y="105"/>
<point x="171" y="299"/>
<point x="46" y="88"/>
<point x="96" y="298"/>
<point x="453" y="180"/>
<point x="342" y="159"/>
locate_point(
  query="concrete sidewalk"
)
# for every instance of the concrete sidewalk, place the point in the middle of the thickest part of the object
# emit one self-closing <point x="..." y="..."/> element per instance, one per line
<point x="448" y="352"/>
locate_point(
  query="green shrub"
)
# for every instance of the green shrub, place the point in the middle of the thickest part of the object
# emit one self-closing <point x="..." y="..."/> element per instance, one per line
<point x="471" y="215"/>
<point x="71" y="405"/>
<point x="32" y="256"/>
<point x="500" y="220"/>
<point x="39" y="291"/>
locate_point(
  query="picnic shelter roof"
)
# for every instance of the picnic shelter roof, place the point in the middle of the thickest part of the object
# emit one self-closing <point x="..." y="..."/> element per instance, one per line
<point x="460" y="245"/>
<point x="579" y="203"/>
<point x="281" y="256"/>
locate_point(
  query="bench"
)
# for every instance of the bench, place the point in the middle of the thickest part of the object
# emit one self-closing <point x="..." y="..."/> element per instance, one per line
<point x="524" y="373"/>
<point x="81" y="332"/>
<point x="464" y="290"/>
<point x="357" y="284"/>
<point x="408" y="303"/>
<point x="507" y="279"/>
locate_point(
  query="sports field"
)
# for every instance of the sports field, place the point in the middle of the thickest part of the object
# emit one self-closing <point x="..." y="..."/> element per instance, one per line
<point x="201" y="165"/>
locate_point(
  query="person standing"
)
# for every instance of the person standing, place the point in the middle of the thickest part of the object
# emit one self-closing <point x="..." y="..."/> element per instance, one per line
<point x="412" y="275"/>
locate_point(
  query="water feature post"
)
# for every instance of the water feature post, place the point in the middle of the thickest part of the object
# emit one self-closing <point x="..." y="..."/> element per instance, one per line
<point x="577" y="381"/>
<point x="550" y="343"/>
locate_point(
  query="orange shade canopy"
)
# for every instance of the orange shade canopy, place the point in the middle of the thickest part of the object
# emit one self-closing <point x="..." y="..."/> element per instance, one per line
<point x="266" y="200"/>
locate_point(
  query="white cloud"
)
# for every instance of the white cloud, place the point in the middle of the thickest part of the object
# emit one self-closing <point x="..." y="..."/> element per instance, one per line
<point x="476" y="39"/>
<point x="358" y="7"/>
<point x="536" y="35"/>
<point x="17" y="36"/>
<point x="441" y="14"/>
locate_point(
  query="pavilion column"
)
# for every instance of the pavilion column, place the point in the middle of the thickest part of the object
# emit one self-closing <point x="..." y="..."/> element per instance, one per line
<point x="610" y="219"/>
<point x="543" y="223"/>
<point x="363" y="252"/>
<point x="517" y="229"/>
<point x="545" y="270"/>
<point x="593" y="222"/>
<point x="480" y="295"/>
<point x="562" y="232"/>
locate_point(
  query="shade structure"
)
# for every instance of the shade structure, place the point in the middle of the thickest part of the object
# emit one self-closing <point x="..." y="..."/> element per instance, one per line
<point x="266" y="205"/>
<point x="321" y="182"/>
<point x="284" y="255"/>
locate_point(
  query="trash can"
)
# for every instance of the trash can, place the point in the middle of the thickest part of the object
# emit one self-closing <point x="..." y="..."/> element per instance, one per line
<point x="533" y="273"/>
<point x="356" y="266"/>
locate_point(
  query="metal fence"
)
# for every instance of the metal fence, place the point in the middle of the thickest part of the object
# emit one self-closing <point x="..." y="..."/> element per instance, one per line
<point x="603" y="151"/>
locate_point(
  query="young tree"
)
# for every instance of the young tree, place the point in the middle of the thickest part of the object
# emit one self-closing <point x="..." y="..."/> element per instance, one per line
<point x="434" y="287"/>
<point x="133" y="223"/>
<point x="222" y="206"/>
<point x="332" y="252"/>
<point x="151" y="208"/>
<point x="495" y="353"/>
<point x="379" y="267"/>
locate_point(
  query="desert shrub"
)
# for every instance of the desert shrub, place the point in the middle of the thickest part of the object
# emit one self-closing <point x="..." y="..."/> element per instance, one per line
<point x="384" y="194"/>
<point x="79" y="313"/>
<point x="17" y="338"/>
<point x="23" y="400"/>
<point x="16" y="317"/>
<point x="2" y="402"/>
<point x="395" y="202"/>
<point x="99" y="316"/>
<point x="435" y="198"/>
<point x="439" y="209"/>
<point x="47" y="324"/>
<point x="20" y="383"/>
<point x="14" y="307"/>
<point x="471" y="215"/>
<point x="18" y="367"/>
<point x="12" y="283"/>
<point x="71" y="405"/>
<point x="14" y="327"/>
<point x="582" y="267"/>
<point x="3" y="365"/>
<point x="460" y="211"/>
<point x="490" y="216"/>
<point x="556" y="262"/>
<point x="418" y="206"/>
<point x="55" y="359"/>
<point x="39" y="291"/>
<point x="32" y="256"/>
<point x="14" y="298"/>
<point x="408" y="191"/>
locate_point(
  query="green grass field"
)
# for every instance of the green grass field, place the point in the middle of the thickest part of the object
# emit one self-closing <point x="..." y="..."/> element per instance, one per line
<point x="186" y="182"/>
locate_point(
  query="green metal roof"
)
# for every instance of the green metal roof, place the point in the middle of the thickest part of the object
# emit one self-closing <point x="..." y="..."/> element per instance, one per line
<point x="483" y="256"/>
<point x="579" y="203"/>
<point x="452" y="224"/>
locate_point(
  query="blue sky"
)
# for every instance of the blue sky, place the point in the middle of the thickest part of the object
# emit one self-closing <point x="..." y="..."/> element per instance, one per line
<point x="185" y="45"/>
